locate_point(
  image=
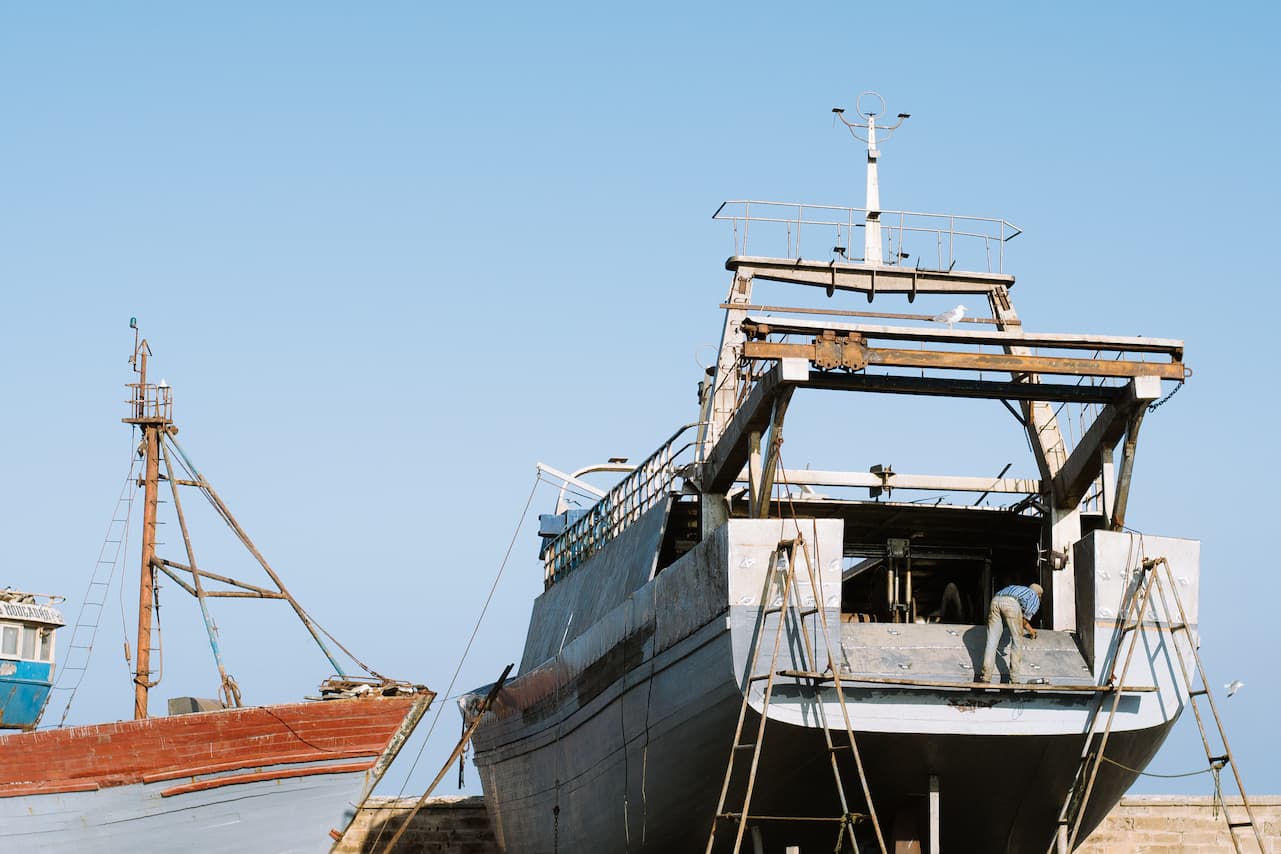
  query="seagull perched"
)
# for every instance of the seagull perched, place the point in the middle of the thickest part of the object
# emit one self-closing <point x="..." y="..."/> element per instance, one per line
<point x="1234" y="686"/>
<point x="951" y="316"/>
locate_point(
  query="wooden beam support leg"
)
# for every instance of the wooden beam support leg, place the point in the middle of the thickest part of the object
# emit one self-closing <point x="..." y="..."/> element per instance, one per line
<point x="1127" y="469"/>
<point x="770" y="465"/>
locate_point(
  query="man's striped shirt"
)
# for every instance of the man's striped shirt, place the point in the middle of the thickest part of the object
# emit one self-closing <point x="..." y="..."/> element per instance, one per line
<point x="1028" y="600"/>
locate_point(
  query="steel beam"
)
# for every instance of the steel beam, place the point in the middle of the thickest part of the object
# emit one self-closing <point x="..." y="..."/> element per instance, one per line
<point x="870" y="279"/>
<point x="949" y="387"/>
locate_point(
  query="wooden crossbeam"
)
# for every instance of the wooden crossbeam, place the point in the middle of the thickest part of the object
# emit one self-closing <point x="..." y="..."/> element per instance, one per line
<point x="1014" y="363"/>
<point x="1085" y="462"/>
<point x="968" y="388"/>
<point x="253" y="590"/>
<point x="899" y="480"/>
<point x="870" y="279"/>
<point x="733" y="448"/>
<point x="965" y="361"/>
<point x="1172" y="347"/>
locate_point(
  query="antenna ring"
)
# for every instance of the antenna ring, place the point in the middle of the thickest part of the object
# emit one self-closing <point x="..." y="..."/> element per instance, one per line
<point x="858" y="104"/>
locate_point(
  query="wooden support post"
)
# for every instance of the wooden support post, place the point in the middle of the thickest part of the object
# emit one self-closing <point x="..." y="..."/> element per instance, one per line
<point x="146" y="591"/>
<point x="1127" y="469"/>
<point x="934" y="814"/>
<point x="769" y="468"/>
<point x="754" y="471"/>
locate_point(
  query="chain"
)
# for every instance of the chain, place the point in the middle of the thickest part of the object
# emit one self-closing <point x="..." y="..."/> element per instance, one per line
<point x="1155" y="406"/>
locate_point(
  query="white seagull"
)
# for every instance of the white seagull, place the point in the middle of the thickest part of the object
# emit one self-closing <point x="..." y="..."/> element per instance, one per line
<point x="951" y="316"/>
<point x="1234" y="686"/>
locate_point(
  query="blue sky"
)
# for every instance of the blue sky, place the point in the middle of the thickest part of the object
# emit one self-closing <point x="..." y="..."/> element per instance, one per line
<point x="391" y="256"/>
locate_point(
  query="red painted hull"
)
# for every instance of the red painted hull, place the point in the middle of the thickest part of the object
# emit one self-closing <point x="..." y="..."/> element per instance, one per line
<point x="238" y="745"/>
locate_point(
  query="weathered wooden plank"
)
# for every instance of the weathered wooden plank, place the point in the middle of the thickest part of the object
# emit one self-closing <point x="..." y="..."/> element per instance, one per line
<point x="867" y="278"/>
<point x="732" y="449"/>
<point x="124" y="752"/>
<point x="954" y="360"/>
<point x="899" y="480"/>
<point x="1015" y="363"/>
<point x="1065" y="341"/>
<point x="1085" y="462"/>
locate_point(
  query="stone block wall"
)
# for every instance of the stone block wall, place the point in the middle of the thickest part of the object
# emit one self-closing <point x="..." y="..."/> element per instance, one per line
<point x="445" y="825"/>
<point x="1183" y="824"/>
<point x="1140" y="824"/>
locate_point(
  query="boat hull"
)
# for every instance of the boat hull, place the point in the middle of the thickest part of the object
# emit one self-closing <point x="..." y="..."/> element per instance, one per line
<point x="620" y="740"/>
<point x="578" y="786"/>
<point x="271" y="778"/>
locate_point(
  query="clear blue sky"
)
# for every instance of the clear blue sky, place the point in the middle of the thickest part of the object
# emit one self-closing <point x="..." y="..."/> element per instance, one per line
<point x="390" y="256"/>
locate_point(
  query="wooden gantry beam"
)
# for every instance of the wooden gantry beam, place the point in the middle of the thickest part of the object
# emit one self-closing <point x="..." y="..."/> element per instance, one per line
<point x="856" y="356"/>
<point x="1172" y="347"/>
<point x="870" y="279"/>
<point x="1087" y="459"/>
<point x="733" y="449"/>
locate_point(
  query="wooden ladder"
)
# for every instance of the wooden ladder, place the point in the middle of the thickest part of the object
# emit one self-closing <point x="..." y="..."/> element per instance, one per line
<point x="1074" y="807"/>
<point x="782" y="570"/>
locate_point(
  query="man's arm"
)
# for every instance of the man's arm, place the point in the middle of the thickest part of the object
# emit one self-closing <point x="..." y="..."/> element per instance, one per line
<point x="1027" y="627"/>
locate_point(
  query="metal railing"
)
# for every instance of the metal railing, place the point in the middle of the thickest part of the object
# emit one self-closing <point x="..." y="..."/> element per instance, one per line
<point x="150" y="402"/>
<point x="936" y="241"/>
<point x="649" y="483"/>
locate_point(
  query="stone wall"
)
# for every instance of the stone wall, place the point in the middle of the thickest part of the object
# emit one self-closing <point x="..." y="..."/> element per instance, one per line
<point x="444" y="826"/>
<point x="1140" y="824"/>
<point x="1183" y="824"/>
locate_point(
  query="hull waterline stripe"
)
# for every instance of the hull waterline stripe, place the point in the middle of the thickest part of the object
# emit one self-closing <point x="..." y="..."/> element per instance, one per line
<point x="219" y="782"/>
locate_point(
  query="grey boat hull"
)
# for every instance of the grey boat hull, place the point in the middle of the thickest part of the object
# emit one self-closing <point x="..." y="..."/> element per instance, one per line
<point x="574" y="786"/>
<point x="619" y="740"/>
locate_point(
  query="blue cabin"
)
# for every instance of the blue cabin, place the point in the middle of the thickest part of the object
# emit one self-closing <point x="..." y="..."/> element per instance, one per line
<point x="27" y="625"/>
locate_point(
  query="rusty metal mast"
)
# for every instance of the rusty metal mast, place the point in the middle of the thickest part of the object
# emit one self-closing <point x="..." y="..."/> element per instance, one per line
<point x="152" y="412"/>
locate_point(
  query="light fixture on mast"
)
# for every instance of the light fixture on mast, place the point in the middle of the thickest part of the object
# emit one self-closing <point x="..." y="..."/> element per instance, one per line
<point x="872" y="217"/>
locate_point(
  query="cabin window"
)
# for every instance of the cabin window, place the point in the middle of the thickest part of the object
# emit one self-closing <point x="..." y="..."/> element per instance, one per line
<point x="46" y="644"/>
<point x="9" y="640"/>
<point x="28" y="642"/>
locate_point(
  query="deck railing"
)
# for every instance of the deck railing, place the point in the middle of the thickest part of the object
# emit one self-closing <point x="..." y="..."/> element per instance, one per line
<point x="935" y="241"/>
<point x="647" y="484"/>
<point x="150" y="402"/>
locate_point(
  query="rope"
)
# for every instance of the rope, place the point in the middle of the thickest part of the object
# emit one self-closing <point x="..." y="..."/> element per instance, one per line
<point x="187" y="466"/>
<point x="1209" y="770"/>
<point x="475" y="630"/>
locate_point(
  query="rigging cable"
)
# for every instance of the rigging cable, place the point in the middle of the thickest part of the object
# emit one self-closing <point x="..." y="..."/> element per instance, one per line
<point x="91" y="624"/>
<point x="448" y="694"/>
<point x="222" y="513"/>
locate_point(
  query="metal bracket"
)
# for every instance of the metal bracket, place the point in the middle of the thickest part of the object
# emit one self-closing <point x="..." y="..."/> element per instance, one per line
<point x="833" y="351"/>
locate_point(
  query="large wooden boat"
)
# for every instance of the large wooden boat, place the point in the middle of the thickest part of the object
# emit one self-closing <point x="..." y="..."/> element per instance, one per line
<point x="732" y="652"/>
<point x="214" y="775"/>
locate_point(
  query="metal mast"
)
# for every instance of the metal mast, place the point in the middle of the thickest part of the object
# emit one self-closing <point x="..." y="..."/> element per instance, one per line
<point x="152" y="412"/>
<point x="872" y="216"/>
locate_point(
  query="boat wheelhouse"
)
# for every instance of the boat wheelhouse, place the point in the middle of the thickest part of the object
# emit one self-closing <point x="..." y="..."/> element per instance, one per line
<point x="28" y="624"/>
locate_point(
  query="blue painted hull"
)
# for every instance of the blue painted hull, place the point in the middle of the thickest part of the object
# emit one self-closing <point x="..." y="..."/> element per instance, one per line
<point x="23" y="693"/>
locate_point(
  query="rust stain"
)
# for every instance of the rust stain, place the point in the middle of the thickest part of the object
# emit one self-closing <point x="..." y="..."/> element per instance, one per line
<point x="971" y="704"/>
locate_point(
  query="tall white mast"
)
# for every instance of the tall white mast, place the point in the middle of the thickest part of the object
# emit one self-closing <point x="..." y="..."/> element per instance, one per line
<point x="872" y="218"/>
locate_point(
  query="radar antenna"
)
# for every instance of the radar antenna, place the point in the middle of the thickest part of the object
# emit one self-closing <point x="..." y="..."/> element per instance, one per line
<point x="872" y="217"/>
